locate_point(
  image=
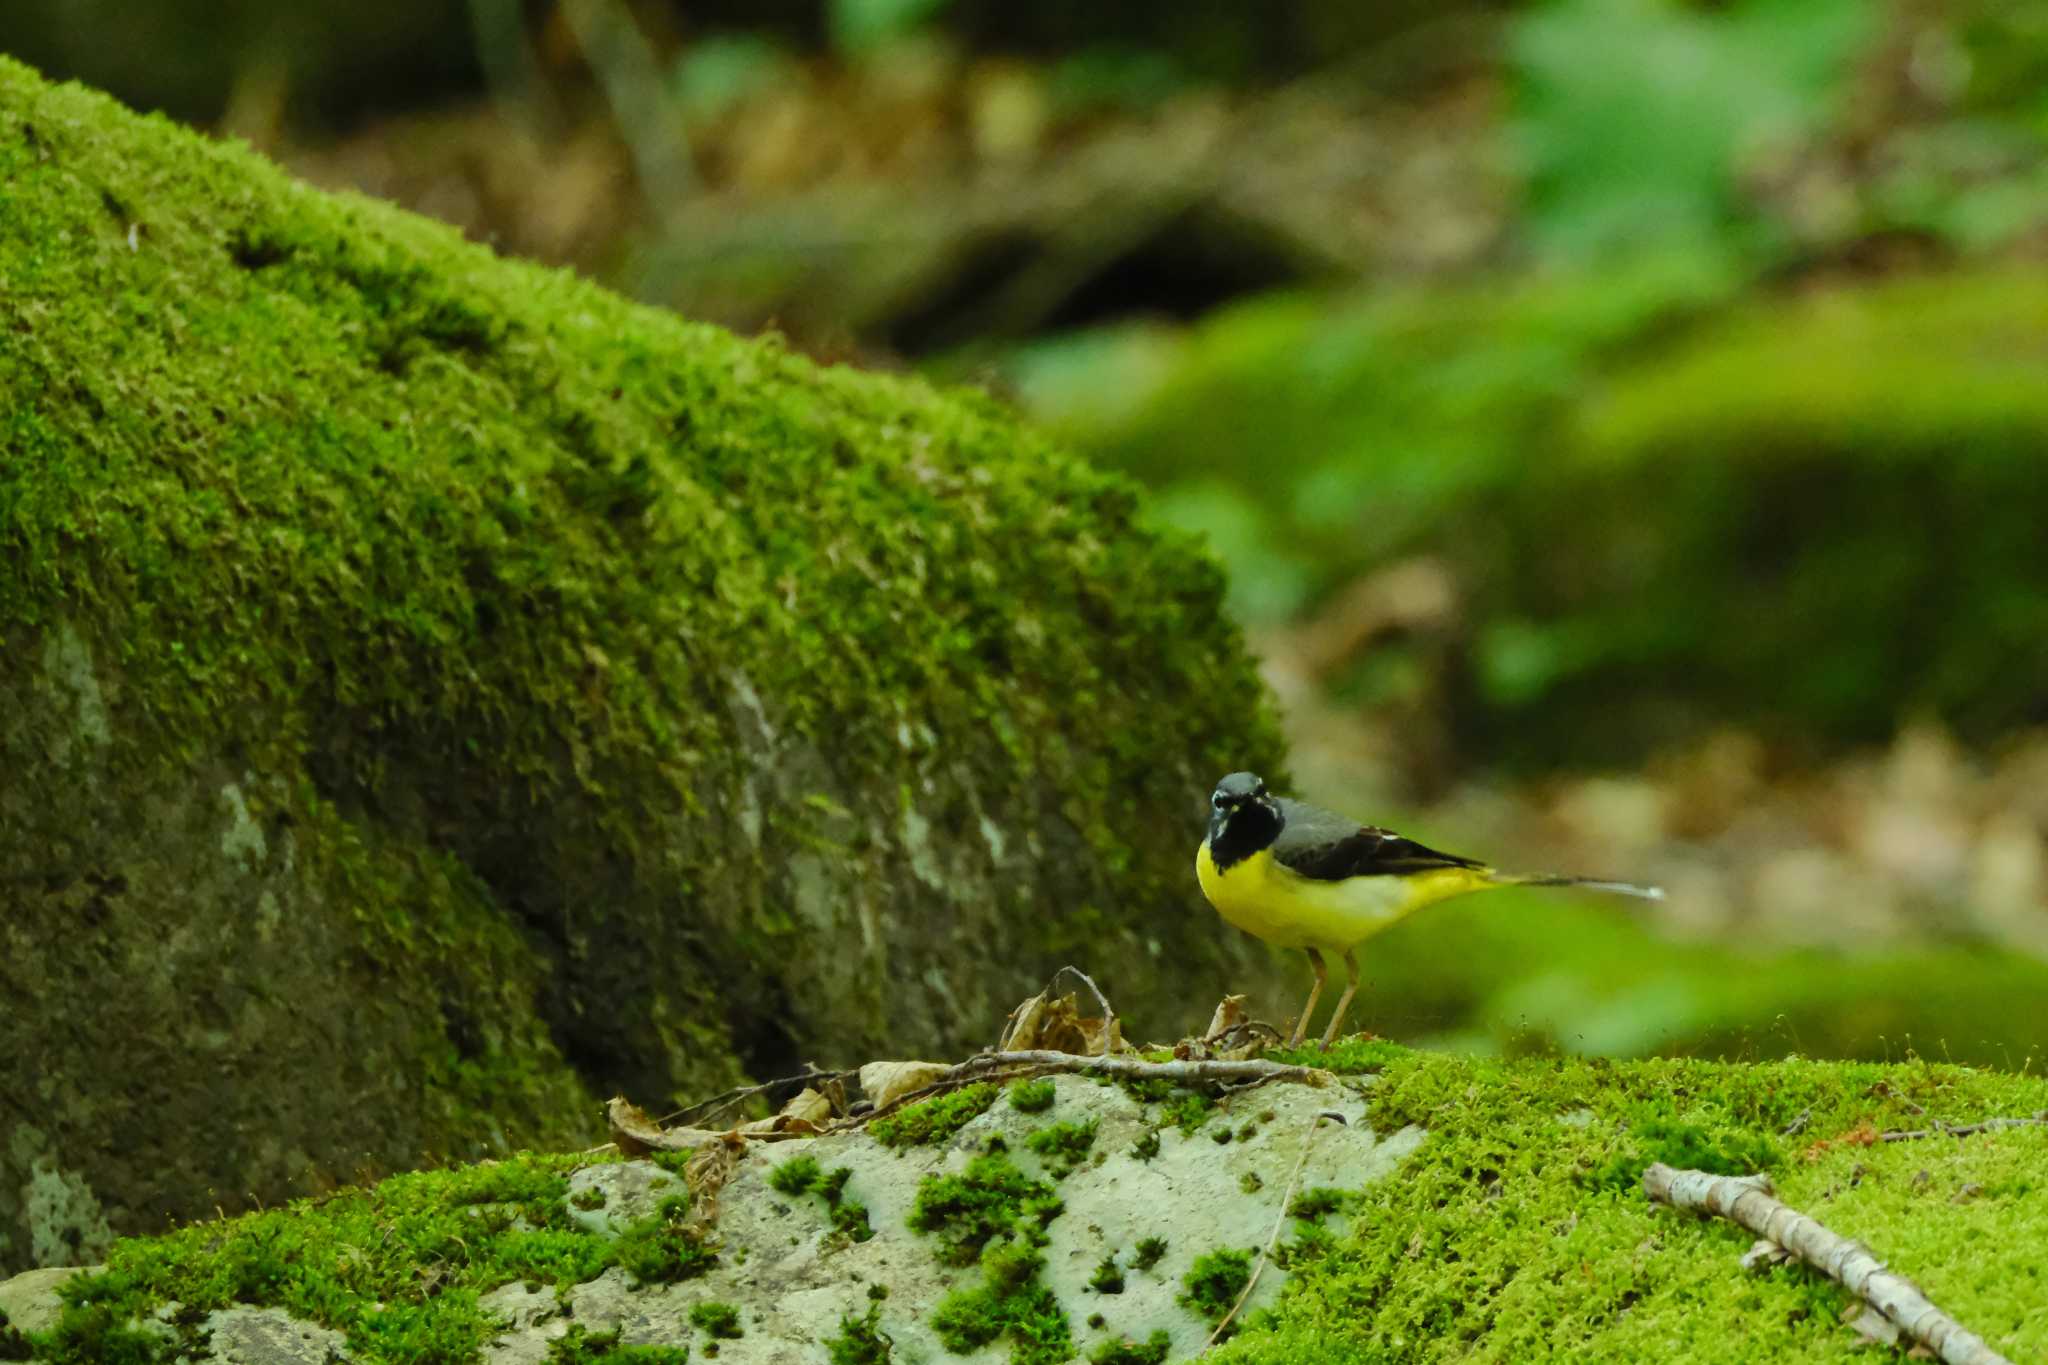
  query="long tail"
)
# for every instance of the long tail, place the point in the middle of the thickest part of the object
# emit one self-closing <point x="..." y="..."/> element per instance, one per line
<point x="1648" y="893"/>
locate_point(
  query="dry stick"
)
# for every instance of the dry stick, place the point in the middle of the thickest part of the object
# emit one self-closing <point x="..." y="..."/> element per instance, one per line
<point x="1108" y="1014"/>
<point x="1965" y="1129"/>
<point x="1011" y="1065"/>
<point x="1279" y="1221"/>
<point x="731" y="1097"/>
<point x="1748" y="1202"/>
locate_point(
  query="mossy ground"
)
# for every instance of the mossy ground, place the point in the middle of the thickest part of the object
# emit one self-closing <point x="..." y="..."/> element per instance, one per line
<point x="1516" y="1231"/>
<point x="1519" y="1231"/>
<point x="398" y="1267"/>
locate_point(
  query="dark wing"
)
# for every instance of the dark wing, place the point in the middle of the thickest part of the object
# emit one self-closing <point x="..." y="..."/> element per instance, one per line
<point x="1326" y="846"/>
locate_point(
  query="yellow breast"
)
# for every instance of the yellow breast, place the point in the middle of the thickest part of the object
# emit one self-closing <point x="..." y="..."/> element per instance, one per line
<point x="1264" y="899"/>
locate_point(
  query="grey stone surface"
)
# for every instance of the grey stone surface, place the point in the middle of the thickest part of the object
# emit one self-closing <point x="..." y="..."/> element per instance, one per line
<point x="793" y="1280"/>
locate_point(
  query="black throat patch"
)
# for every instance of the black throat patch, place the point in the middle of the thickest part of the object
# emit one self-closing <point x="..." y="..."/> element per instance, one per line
<point x="1235" y="835"/>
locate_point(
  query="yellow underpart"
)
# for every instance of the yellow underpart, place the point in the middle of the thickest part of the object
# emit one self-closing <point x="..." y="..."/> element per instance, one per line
<point x="1288" y="910"/>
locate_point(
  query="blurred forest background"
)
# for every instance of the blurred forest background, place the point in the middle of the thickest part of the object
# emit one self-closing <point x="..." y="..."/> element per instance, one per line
<point x="1625" y="422"/>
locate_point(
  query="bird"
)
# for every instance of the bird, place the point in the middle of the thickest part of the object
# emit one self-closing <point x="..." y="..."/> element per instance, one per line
<point x="1299" y="876"/>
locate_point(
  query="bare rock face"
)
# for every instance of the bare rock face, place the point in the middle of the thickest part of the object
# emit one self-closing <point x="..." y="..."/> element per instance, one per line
<point x="435" y="692"/>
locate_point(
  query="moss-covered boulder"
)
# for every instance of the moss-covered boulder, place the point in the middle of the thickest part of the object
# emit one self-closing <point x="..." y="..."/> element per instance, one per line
<point x="436" y="690"/>
<point x="1464" y="1210"/>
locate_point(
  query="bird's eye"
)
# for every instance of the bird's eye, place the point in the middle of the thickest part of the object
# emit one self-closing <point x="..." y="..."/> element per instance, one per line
<point x="1217" y="801"/>
<point x="1259" y="790"/>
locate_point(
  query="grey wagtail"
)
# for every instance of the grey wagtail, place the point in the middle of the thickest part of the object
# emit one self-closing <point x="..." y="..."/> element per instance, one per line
<point x="1299" y="876"/>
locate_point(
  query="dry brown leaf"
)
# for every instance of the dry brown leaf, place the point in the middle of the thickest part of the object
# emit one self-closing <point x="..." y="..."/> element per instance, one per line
<point x="1229" y="1014"/>
<point x="809" y="1106"/>
<point x="885" y="1082"/>
<point x="636" y="1133"/>
<point x="1020" y="1034"/>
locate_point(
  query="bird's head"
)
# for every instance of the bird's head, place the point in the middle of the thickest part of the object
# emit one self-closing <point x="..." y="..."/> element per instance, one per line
<point x="1241" y="804"/>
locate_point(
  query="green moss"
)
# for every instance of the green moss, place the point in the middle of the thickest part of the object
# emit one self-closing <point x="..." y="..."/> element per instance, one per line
<point x="13" y="1345"/>
<point x="861" y="1340"/>
<point x="354" y="1261"/>
<point x="1508" y="1237"/>
<point x="1146" y="1147"/>
<point x="802" y="1175"/>
<point x="1031" y="1097"/>
<point x="935" y="1119"/>
<point x="994" y="1215"/>
<point x="850" y="1220"/>
<point x="499" y="580"/>
<point x="1250" y="1182"/>
<point x="989" y="1198"/>
<point x="1108" y="1277"/>
<point x="1213" y="1282"/>
<point x="1063" y="1146"/>
<point x="720" y="1321"/>
<point x="1010" y="1302"/>
<point x="581" y="1346"/>
<point x="588" y="1199"/>
<point x="1124" y="1351"/>
<point x="1148" y="1252"/>
<point x="1314" y="1205"/>
<point x="796" y="1176"/>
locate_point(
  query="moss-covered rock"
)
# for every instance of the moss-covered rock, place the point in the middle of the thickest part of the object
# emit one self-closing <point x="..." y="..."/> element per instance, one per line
<point x="435" y="690"/>
<point x="1466" y="1209"/>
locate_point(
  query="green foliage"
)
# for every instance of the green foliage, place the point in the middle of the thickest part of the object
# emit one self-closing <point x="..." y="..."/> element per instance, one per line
<point x="1032" y="1097"/>
<point x="720" y="1321"/>
<point x="1643" y="153"/>
<point x="1149" y="1250"/>
<point x="861" y="26"/>
<point x="1124" y="1351"/>
<point x="1064" y="1146"/>
<point x="936" y="1119"/>
<point x="1146" y="1147"/>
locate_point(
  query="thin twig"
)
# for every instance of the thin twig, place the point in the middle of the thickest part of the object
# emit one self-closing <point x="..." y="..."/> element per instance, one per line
<point x="1748" y="1202"/>
<point x="1015" y="1065"/>
<point x="719" y="1103"/>
<point x="1108" y="1014"/>
<point x="1308" y="1140"/>
<point x="1798" y="1123"/>
<point x="1964" y="1129"/>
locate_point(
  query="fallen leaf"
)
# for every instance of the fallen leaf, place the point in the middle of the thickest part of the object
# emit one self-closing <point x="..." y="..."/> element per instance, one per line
<point x="808" y="1105"/>
<point x="885" y="1082"/>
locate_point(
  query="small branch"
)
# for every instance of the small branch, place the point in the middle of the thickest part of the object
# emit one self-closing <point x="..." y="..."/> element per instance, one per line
<point x="720" y="1103"/>
<point x="1748" y="1202"/>
<point x="1965" y="1129"/>
<point x="1014" y="1065"/>
<point x="1108" y="1014"/>
<point x="1308" y="1140"/>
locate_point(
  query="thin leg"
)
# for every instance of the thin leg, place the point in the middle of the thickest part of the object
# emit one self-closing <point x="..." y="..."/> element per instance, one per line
<point x="1315" y="959"/>
<point x="1344" y="1000"/>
